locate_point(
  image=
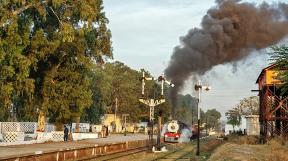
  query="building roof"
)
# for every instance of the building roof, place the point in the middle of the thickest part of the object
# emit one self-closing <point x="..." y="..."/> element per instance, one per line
<point x="263" y="70"/>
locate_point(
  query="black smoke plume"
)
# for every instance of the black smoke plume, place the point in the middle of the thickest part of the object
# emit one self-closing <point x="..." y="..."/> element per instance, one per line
<point x="228" y="33"/>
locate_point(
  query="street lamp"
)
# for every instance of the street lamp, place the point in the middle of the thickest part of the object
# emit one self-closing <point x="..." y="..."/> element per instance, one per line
<point x="199" y="87"/>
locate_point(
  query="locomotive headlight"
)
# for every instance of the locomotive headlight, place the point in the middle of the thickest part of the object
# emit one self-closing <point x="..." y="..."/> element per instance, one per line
<point x="177" y="136"/>
<point x="166" y="135"/>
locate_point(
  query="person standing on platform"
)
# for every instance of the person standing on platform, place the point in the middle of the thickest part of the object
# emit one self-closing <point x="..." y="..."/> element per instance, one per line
<point x="107" y="131"/>
<point x="65" y="133"/>
<point x="104" y="131"/>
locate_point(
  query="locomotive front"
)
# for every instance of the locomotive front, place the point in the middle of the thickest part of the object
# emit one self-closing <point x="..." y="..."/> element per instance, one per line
<point x="173" y="132"/>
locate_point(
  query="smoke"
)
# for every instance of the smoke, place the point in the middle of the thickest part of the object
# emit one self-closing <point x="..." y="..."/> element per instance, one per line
<point x="185" y="136"/>
<point x="228" y="33"/>
<point x="164" y="129"/>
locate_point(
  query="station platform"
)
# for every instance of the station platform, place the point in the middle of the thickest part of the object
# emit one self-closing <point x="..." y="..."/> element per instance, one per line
<point x="16" y="151"/>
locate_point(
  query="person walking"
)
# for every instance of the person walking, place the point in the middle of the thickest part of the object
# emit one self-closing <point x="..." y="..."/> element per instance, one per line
<point x="66" y="133"/>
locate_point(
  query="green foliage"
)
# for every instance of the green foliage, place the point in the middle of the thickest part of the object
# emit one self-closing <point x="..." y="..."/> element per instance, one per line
<point x="186" y="110"/>
<point x="47" y="52"/>
<point x="248" y="106"/>
<point x="51" y="59"/>
<point x="212" y="118"/>
<point x="186" y="107"/>
<point x="279" y="57"/>
<point x="233" y="118"/>
<point x="121" y="82"/>
<point x="94" y="113"/>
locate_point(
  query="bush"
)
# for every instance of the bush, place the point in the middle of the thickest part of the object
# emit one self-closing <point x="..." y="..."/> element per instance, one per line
<point x="243" y="139"/>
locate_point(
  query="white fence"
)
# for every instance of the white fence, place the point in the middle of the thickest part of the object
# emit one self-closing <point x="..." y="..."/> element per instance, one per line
<point x="26" y="127"/>
<point x="13" y="136"/>
<point x="10" y="127"/>
<point x="14" y="133"/>
<point x="31" y="127"/>
<point x="57" y="136"/>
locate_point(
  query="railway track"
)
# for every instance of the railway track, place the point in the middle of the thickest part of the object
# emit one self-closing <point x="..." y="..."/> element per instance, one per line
<point x="184" y="153"/>
<point x="116" y="155"/>
<point x="122" y="154"/>
<point x="177" y="151"/>
<point x="177" y="154"/>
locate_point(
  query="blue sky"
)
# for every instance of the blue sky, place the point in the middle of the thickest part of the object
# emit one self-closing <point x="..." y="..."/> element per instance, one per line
<point x="144" y="33"/>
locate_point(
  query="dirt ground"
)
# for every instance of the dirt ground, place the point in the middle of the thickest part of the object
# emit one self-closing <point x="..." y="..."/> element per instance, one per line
<point x="235" y="152"/>
<point x="274" y="150"/>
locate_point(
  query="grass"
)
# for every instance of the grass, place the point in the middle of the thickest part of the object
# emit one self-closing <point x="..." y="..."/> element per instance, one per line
<point x="247" y="148"/>
<point x="278" y="149"/>
<point x="206" y="149"/>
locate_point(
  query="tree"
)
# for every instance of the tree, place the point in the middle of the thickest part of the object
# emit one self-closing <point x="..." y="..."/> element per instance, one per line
<point x="233" y="118"/>
<point x="94" y="113"/>
<point x="248" y="106"/>
<point x="47" y="50"/>
<point x="279" y="57"/>
<point x="186" y="107"/>
<point x="121" y="82"/>
<point x="212" y="116"/>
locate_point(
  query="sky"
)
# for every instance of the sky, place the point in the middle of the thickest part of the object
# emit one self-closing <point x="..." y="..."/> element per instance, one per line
<point x="144" y="33"/>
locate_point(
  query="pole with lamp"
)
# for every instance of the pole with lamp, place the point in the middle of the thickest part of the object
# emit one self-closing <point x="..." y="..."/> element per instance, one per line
<point x="198" y="88"/>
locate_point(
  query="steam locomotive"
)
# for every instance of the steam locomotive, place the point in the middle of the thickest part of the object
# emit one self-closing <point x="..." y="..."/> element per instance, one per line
<point x="176" y="129"/>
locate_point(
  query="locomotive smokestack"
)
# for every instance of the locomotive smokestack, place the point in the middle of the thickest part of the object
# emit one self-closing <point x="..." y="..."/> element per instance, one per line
<point x="228" y="33"/>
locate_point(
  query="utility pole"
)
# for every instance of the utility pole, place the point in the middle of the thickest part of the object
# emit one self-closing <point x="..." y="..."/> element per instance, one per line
<point x="198" y="117"/>
<point x="198" y="87"/>
<point x="115" y="114"/>
<point x="192" y="116"/>
<point x="125" y="115"/>
<point x="152" y="103"/>
<point x="206" y="126"/>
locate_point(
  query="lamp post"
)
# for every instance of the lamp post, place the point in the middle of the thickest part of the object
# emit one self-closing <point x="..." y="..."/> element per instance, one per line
<point x="198" y="88"/>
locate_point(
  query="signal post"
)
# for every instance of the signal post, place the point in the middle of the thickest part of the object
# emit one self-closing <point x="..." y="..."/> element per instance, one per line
<point x="152" y="103"/>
